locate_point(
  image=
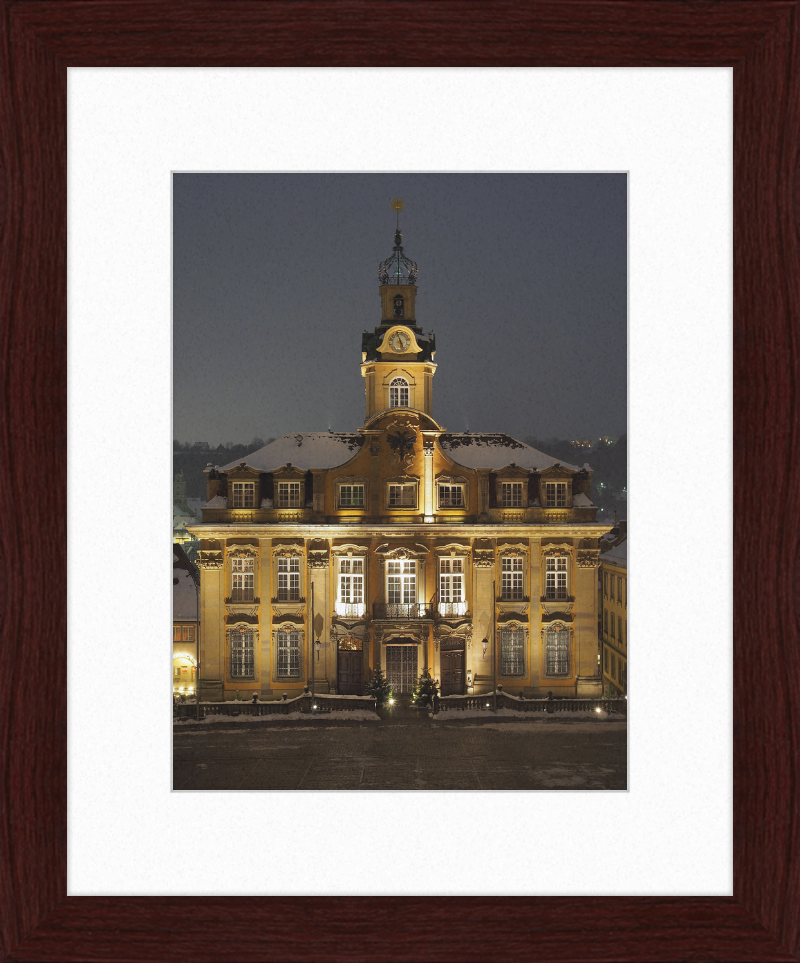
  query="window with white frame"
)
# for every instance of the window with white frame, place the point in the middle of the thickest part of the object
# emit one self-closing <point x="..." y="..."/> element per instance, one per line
<point x="512" y="651"/>
<point x="398" y="393"/>
<point x="451" y="587"/>
<point x="242" y="653"/>
<point x="242" y="576"/>
<point x="288" y="494"/>
<point x="288" y="655"/>
<point x="401" y="585"/>
<point x="511" y="577"/>
<point x="511" y="494"/>
<point x="350" y="601"/>
<point x="555" y="578"/>
<point x="403" y="496"/>
<point x="557" y="650"/>
<point x="555" y="494"/>
<point x="288" y="579"/>
<point x="243" y="494"/>
<point x="451" y="496"/>
<point x="351" y="496"/>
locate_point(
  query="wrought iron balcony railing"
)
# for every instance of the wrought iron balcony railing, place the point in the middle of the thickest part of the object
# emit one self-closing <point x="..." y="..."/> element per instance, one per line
<point x="399" y="610"/>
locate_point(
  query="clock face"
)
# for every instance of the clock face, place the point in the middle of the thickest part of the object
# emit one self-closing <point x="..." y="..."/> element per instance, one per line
<point x="399" y="342"/>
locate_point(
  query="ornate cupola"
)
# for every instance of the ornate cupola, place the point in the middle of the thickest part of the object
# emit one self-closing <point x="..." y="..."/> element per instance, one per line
<point x="397" y="358"/>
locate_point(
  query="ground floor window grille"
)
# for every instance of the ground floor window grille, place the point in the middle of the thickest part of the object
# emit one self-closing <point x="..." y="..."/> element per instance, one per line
<point x="557" y="650"/>
<point x="288" y="655"/>
<point x="242" y="654"/>
<point x="512" y="652"/>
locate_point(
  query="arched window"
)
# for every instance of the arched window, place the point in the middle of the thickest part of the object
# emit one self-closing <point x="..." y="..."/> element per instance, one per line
<point x="398" y="393"/>
<point x="399" y="306"/>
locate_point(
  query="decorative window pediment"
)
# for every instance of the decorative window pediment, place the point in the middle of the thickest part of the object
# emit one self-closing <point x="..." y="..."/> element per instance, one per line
<point x="288" y="471"/>
<point x="241" y="550"/>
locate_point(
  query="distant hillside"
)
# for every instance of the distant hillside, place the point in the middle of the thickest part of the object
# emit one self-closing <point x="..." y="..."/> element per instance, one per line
<point x="192" y="463"/>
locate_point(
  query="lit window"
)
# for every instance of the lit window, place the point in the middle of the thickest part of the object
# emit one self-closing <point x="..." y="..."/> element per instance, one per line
<point x="398" y="393"/>
<point x="512" y="494"/>
<point x="401" y="583"/>
<point x="187" y="633"/>
<point x="351" y="587"/>
<point x="512" y="652"/>
<point x="557" y="650"/>
<point x="242" y="649"/>
<point x="451" y="496"/>
<point x="244" y="495"/>
<point x="288" y="655"/>
<point x="288" y="579"/>
<point x="512" y="577"/>
<point x="555" y="494"/>
<point x="242" y="570"/>
<point x="555" y="587"/>
<point x="402" y="496"/>
<point x="451" y="587"/>
<point x="351" y="496"/>
<point x="288" y="494"/>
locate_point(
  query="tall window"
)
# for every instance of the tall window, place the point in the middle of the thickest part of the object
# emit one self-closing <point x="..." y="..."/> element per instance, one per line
<point x="613" y="666"/>
<point x="288" y="494"/>
<point x="512" y="652"/>
<point x="512" y="577"/>
<point x="401" y="582"/>
<point x="351" y="587"/>
<point x="451" y="587"/>
<point x="613" y="633"/>
<point x="244" y="495"/>
<point x="288" y="579"/>
<point x="555" y="578"/>
<point x="605" y="621"/>
<point x="612" y="588"/>
<point x="451" y="496"/>
<point x="619" y="631"/>
<point x="403" y="496"/>
<point x="605" y="584"/>
<point x="555" y="494"/>
<point x="605" y="659"/>
<point x="398" y="306"/>
<point x="398" y="393"/>
<point x="512" y="494"/>
<point x="557" y="650"/>
<point x="242" y="570"/>
<point x="288" y="655"/>
<point x="351" y="496"/>
<point x="242" y="654"/>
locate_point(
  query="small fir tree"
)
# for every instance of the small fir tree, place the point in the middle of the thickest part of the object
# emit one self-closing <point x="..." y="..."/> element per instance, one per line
<point x="425" y="690"/>
<point x="611" y="692"/>
<point x="379" y="687"/>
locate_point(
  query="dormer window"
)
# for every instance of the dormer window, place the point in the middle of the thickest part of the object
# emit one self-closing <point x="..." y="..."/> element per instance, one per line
<point x="243" y="495"/>
<point x="555" y="494"/>
<point x="398" y="393"/>
<point x="399" y="306"/>
<point x="451" y="496"/>
<point x="512" y="494"/>
<point x="288" y="494"/>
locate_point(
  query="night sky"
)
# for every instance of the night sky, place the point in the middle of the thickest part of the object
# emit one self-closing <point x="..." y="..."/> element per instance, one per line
<point x="522" y="277"/>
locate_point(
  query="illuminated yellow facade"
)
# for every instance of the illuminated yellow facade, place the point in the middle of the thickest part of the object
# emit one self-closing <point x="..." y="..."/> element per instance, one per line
<point x="614" y="600"/>
<point x="400" y="544"/>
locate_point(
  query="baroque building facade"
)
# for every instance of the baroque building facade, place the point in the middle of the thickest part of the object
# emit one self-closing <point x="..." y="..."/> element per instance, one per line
<point x="468" y="555"/>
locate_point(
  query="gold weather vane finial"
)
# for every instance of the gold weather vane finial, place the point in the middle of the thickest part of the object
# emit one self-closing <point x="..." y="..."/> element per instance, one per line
<point x="398" y="204"/>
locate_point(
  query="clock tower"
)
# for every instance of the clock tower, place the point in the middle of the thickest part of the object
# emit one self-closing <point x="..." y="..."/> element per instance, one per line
<point x="397" y="357"/>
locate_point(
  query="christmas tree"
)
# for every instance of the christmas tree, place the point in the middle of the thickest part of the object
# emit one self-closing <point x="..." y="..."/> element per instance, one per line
<point x="379" y="687"/>
<point x="425" y="690"/>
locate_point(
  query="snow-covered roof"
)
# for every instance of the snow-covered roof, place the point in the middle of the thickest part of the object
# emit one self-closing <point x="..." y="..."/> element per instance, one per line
<point x="581" y="501"/>
<point x="618" y="554"/>
<point x="495" y="450"/>
<point x="184" y="596"/>
<point x="305" y="450"/>
<point x="218" y="501"/>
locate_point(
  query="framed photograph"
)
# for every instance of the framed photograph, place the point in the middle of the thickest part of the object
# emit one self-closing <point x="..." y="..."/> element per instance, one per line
<point x="40" y="921"/>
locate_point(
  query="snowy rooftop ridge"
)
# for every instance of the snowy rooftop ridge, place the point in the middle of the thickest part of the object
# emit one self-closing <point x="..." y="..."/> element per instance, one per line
<point x="496" y="450"/>
<point x="304" y="450"/>
<point x="617" y="554"/>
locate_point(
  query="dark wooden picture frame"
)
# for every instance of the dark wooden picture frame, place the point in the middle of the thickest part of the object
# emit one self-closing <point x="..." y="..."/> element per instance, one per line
<point x="759" y="40"/>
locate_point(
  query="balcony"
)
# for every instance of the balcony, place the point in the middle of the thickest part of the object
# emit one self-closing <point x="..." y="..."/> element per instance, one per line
<point x="452" y="610"/>
<point x="403" y="612"/>
<point x="350" y="610"/>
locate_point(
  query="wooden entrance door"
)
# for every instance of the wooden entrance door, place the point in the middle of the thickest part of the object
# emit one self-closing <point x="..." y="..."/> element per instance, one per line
<point x="349" y="669"/>
<point x="452" y="672"/>
<point x="401" y="667"/>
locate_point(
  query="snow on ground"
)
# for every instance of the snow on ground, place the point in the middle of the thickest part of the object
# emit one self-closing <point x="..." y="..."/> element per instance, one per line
<point x="454" y="714"/>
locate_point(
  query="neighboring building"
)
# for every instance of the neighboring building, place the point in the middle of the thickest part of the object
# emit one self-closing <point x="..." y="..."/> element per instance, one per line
<point x="182" y="514"/>
<point x="614" y="600"/>
<point x="472" y="556"/>
<point x="185" y="581"/>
